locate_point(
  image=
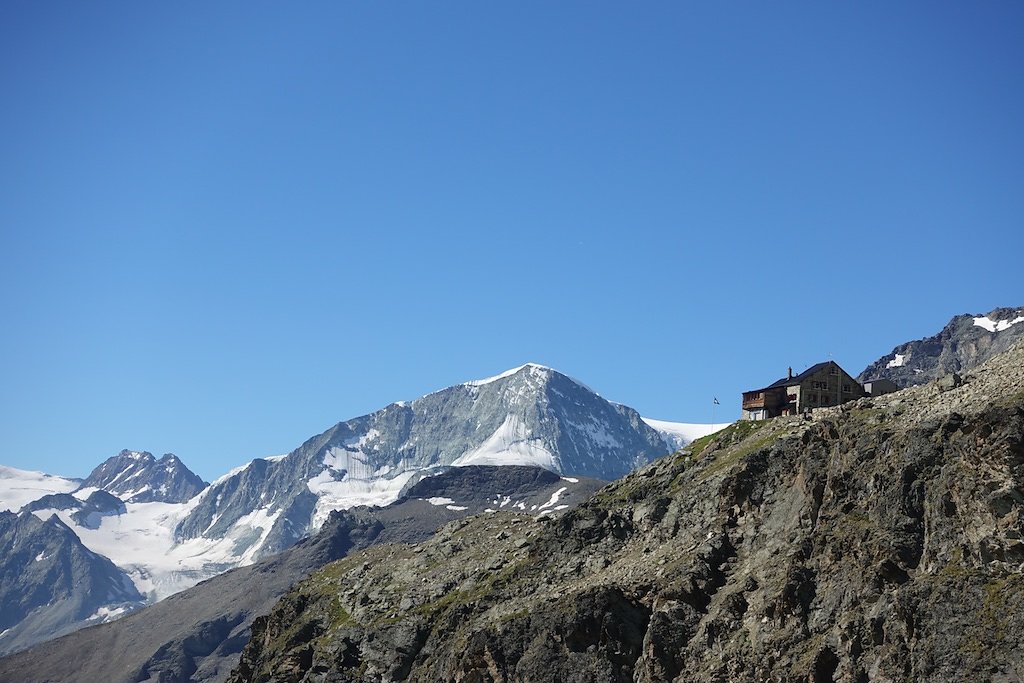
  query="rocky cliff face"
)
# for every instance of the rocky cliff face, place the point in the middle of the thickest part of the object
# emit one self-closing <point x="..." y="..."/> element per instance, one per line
<point x="138" y="477"/>
<point x="51" y="584"/>
<point x="881" y="541"/>
<point x="964" y="343"/>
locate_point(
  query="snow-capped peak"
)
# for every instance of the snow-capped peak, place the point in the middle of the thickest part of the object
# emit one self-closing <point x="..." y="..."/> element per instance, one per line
<point x="536" y="370"/>
<point x="533" y="367"/>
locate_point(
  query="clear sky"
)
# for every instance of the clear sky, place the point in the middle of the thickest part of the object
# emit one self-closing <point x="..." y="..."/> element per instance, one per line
<point x="226" y="226"/>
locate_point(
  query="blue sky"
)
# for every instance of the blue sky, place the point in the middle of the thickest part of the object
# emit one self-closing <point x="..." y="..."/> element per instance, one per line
<point x="226" y="226"/>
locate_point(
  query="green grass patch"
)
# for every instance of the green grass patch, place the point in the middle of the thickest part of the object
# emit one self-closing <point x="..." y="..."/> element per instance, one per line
<point x="742" y="442"/>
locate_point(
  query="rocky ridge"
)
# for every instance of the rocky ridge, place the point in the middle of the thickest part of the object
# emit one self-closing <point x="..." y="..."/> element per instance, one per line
<point x="879" y="541"/>
<point x="963" y="344"/>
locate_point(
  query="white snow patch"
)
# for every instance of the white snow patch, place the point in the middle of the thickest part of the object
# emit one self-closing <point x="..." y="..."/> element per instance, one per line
<point x="679" y="434"/>
<point x="20" y="487"/>
<point x="275" y="458"/>
<point x="106" y="614"/>
<point x="438" y="500"/>
<point x="359" y="442"/>
<point x="571" y="480"/>
<point x="134" y="492"/>
<point x="84" y="493"/>
<point x="554" y="498"/>
<point x="897" y="361"/>
<point x="997" y="325"/>
<point x="456" y="508"/>
<point x="355" y="487"/>
<point x="510" y="444"/>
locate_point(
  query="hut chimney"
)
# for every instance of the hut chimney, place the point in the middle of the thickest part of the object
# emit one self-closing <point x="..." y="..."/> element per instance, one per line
<point x="791" y="372"/>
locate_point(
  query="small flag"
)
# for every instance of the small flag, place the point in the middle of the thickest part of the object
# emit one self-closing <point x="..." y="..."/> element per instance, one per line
<point x="717" y="403"/>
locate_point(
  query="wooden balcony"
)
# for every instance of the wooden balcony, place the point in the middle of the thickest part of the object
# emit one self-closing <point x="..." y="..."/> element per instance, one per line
<point x="756" y="400"/>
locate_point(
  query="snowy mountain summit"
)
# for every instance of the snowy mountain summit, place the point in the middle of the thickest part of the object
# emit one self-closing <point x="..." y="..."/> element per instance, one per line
<point x="530" y="415"/>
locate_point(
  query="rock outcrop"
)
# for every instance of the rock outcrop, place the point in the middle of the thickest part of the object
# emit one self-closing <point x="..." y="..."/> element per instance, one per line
<point x="881" y="541"/>
<point x="964" y="343"/>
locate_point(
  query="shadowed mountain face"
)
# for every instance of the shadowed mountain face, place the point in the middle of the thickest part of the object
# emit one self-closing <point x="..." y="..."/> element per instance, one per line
<point x="196" y="635"/>
<point x="964" y="343"/>
<point x="882" y="540"/>
<point x="50" y="583"/>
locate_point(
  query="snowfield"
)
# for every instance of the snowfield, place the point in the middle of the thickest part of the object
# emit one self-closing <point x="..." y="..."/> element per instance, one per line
<point x="679" y="434"/>
<point x="20" y="487"/>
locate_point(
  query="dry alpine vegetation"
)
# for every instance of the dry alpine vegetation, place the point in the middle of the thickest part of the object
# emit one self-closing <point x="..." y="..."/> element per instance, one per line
<point x="880" y="541"/>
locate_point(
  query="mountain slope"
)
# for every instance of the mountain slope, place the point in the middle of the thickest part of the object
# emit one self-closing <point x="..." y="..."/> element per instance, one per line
<point x="964" y="343"/>
<point x="51" y="584"/>
<point x="197" y="634"/>
<point x="528" y="416"/>
<point x="881" y="541"/>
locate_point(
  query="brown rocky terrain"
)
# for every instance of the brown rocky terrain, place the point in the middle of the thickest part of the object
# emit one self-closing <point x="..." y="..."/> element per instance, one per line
<point x="879" y="541"/>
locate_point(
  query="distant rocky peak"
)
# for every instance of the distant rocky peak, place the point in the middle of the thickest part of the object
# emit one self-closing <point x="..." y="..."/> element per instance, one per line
<point x="138" y="477"/>
<point x="967" y="341"/>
